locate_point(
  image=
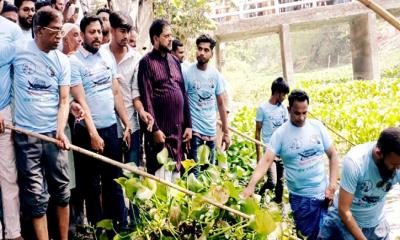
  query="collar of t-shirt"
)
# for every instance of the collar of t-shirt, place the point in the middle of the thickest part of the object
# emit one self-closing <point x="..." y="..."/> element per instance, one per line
<point x="85" y="53"/>
<point x="128" y="55"/>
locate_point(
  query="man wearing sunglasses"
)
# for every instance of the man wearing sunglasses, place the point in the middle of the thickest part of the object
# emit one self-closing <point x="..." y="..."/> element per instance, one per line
<point x="369" y="172"/>
<point x="41" y="88"/>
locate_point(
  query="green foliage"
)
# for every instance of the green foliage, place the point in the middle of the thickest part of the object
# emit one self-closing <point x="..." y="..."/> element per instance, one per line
<point x="166" y="213"/>
<point x="357" y="110"/>
<point x="242" y="153"/>
<point x="187" y="17"/>
<point x="392" y="72"/>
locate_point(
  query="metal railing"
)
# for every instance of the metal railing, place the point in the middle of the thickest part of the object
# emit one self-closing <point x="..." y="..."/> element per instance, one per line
<point x="254" y="8"/>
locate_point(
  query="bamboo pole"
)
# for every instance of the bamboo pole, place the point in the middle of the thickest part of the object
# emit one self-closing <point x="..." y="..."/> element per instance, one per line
<point x="382" y="12"/>
<point x="129" y="168"/>
<point x="244" y="135"/>
<point x="265" y="145"/>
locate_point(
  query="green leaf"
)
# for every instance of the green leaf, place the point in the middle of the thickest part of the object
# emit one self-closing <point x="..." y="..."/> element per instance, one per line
<point x="147" y="189"/>
<point x="197" y="202"/>
<point x="203" y="154"/>
<point x="151" y="184"/>
<point x="103" y="236"/>
<point x="276" y="216"/>
<point x="170" y="165"/>
<point x="263" y="222"/>
<point x="162" y="192"/>
<point x="107" y="224"/>
<point x="233" y="192"/>
<point x="219" y="193"/>
<point x="194" y="184"/>
<point x="214" y="173"/>
<point x="131" y="187"/>
<point x="222" y="159"/>
<point x="188" y="164"/>
<point x="162" y="156"/>
<point x="249" y="206"/>
<point x="121" y="181"/>
<point x="176" y="3"/>
<point x="239" y="171"/>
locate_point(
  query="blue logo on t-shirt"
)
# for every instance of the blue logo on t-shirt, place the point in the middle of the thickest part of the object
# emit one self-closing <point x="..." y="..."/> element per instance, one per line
<point x="308" y="154"/>
<point x="38" y="85"/>
<point x="28" y="68"/>
<point x="103" y="80"/>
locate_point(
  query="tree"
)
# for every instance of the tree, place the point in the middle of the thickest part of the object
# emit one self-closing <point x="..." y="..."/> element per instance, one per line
<point x="188" y="18"/>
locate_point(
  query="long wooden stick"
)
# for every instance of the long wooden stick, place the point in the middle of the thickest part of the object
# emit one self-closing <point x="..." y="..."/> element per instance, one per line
<point x="244" y="135"/>
<point x="382" y="12"/>
<point x="129" y="168"/>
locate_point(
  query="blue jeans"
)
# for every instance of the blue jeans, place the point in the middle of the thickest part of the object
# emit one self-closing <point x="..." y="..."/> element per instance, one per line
<point x="133" y="154"/>
<point x="308" y="214"/>
<point x="95" y="179"/>
<point x="194" y="145"/>
<point x="42" y="171"/>
<point x="334" y="229"/>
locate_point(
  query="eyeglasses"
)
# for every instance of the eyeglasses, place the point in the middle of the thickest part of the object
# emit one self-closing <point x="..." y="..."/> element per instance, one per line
<point x="56" y="31"/>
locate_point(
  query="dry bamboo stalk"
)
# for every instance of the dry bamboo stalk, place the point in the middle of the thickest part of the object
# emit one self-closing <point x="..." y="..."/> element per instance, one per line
<point x="244" y="135"/>
<point x="382" y="12"/>
<point x="129" y="168"/>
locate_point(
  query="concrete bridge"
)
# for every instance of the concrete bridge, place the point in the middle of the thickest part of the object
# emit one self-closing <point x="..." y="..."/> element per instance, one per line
<point x="361" y="20"/>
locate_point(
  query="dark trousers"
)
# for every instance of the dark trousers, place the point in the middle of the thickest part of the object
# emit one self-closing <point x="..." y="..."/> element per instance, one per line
<point x="133" y="155"/>
<point x="95" y="179"/>
<point x="195" y="143"/>
<point x="271" y="185"/>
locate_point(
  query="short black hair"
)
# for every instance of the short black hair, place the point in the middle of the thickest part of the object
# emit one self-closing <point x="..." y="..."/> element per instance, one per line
<point x="9" y="7"/>
<point x="207" y="39"/>
<point x="40" y="4"/>
<point x="18" y="3"/>
<point x="120" y="20"/>
<point x="389" y="141"/>
<point x="86" y="20"/>
<point x="298" y="95"/>
<point x="280" y="85"/>
<point x="175" y="44"/>
<point x="44" y="17"/>
<point x="156" y="28"/>
<point x="106" y="10"/>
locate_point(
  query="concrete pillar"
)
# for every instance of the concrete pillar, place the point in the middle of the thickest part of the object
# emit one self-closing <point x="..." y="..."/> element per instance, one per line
<point x="364" y="48"/>
<point x="218" y="56"/>
<point x="286" y="53"/>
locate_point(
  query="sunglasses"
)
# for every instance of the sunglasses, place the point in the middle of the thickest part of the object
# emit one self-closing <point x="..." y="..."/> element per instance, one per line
<point x="56" y="31"/>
